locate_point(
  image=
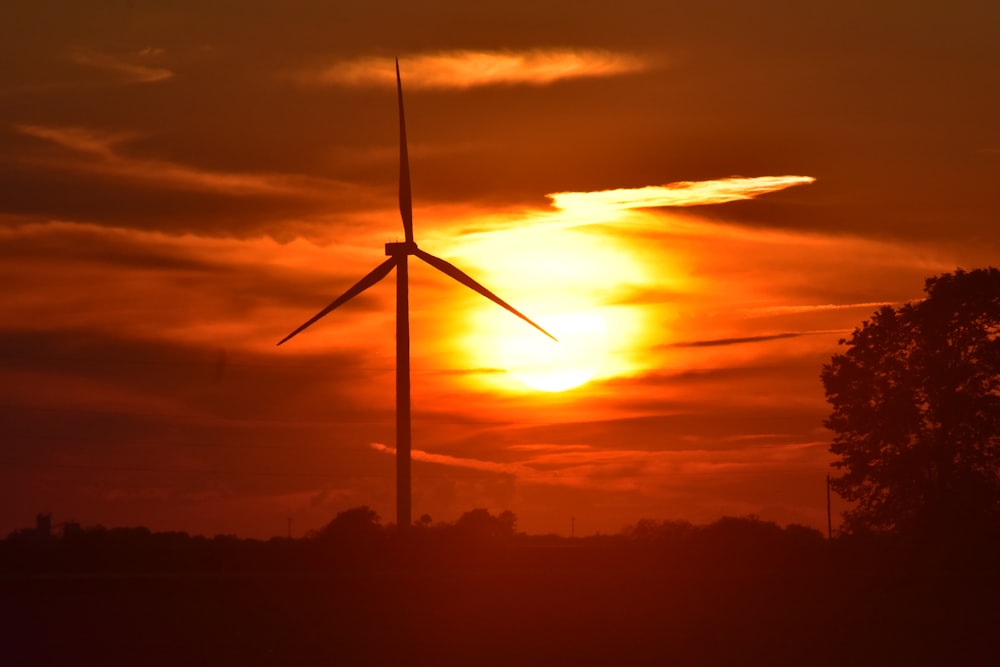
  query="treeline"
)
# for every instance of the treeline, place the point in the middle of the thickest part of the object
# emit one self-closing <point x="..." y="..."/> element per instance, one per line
<point x="357" y="540"/>
<point x="736" y="591"/>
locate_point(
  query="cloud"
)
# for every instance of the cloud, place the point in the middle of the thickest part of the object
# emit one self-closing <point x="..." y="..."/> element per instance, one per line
<point x="469" y="69"/>
<point x="681" y="193"/>
<point x="79" y="139"/>
<point x="444" y="459"/>
<point x="555" y="465"/>
<point x="247" y="292"/>
<point x="124" y="71"/>
<point x="159" y="173"/>
<point x="129" y="70"/>
<point x="813" y="308"/>
<point x="580" y="466"/>
<point x="718" y="342"/>
<point x="610" y="208"/>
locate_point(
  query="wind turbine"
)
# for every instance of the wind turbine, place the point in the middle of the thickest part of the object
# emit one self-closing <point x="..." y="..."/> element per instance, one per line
<point x="398" y="254"/>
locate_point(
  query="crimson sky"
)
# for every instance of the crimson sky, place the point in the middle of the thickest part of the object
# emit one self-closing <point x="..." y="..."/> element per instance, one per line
<point x="182" y="184"/>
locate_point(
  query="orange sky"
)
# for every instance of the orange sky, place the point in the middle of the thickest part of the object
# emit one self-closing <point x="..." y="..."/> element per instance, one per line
<point x="699" y="199"/>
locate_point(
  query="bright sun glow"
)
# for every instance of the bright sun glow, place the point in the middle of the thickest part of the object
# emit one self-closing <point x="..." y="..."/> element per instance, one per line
<point x="541" y="363"/>
<point x="587" y="289"/>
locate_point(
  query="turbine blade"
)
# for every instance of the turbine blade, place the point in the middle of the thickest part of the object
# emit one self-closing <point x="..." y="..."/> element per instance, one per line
<point x="462" y="277"/>
<point x="405" y="198"/>
<point x="376" y="275"/>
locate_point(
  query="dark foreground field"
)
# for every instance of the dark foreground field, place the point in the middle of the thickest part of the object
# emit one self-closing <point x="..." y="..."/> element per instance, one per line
<point x="511" y="606"/>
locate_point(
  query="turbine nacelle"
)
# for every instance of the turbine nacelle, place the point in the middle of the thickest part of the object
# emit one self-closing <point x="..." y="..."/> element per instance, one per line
<point x="400" y="248"/>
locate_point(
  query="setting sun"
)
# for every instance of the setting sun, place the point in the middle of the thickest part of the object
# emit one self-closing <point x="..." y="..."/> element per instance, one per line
<point x="541" y="363"/>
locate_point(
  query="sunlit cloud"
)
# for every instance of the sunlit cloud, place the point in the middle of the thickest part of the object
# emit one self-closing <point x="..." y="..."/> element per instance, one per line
<point x="269" y="286"/>
<point x="123" y="70"/>
<point x="812" y="308"/>
<point x="79" y="139"/>
<point x="574" y="466"/>
<point x="112" y="162"/>
<point x="128" y="69"/>
<point x="444" y="459"/>
<point x="681" y="193"/>
<point x="468" y="69"/>
<point x="581" y="466"/>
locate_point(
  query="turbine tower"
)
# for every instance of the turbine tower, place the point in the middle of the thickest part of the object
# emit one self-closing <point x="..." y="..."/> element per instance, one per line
<point x="399" y="254"/>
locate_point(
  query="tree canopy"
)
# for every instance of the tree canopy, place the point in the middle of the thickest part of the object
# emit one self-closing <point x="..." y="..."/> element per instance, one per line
<point x="916" y="411"/>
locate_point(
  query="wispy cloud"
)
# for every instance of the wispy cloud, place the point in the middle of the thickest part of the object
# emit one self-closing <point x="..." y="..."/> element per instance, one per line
<point x="444" y="459"/>
<point x="79" y="139"/>
<point x="719" y="342"/>
<point x="813" y="308"/>
<point x="135" y="68"/>
<point x="681" y="193"/>
<point x="631" y="207"/>
<point x="582" y="466"/>
<point x="468" y="69"/>
<point x="111" y="161"/>
<point x="130" y="70"/>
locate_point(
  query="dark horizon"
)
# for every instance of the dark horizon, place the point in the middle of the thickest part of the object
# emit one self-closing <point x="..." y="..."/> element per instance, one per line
<point x="740" y="591"/>
<point x="45" y="526"/>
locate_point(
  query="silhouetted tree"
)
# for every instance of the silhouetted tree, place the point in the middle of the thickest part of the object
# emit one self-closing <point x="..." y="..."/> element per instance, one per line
<point x="358" y="524"/>
<point x="916" y="411"/>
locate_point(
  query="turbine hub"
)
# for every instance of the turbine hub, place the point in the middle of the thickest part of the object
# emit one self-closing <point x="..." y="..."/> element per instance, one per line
<point x="400" y="248"/>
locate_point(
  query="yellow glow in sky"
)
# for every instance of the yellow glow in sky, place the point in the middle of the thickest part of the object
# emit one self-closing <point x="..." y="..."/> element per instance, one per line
<point x="567" y="280"/>
<point x="579" y="283"/>
<point x="548" y="365"/>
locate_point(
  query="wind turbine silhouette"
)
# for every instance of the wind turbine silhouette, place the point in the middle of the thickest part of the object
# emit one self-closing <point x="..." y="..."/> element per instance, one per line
<point x="398" y="254"/>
